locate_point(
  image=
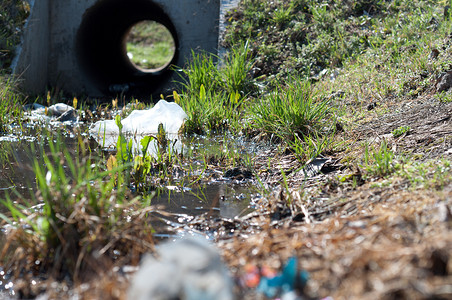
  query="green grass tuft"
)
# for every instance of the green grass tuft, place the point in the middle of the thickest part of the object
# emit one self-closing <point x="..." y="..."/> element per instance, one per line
<point x="10" y="104"/>
<point x="84" y="217"/>
<point x="290" y="110"/>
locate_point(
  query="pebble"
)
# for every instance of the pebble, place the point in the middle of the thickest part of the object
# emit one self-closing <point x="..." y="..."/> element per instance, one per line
<point x="444" y="82"/>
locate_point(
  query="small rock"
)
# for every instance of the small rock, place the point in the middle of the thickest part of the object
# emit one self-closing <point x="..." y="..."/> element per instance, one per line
<point x="314" y="166"/>
<point x="372" y="106"/>
<point x="69" y="115"/>
<point x="33" y="106"/>
<point x="238" y="173"/>
<point x="444" y="81"/>
<point x="434" y="54"/>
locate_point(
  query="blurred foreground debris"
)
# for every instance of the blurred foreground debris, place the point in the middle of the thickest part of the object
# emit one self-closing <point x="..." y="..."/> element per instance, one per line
<point x="189" y="269"/>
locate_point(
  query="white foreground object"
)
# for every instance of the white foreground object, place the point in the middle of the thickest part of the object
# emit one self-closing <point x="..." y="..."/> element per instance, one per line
<point x="142" y="122"/>
<point x="187" y="269"/>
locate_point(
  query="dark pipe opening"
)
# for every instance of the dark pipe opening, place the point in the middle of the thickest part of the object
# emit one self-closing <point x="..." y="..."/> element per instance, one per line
<point x="101" y="47"/>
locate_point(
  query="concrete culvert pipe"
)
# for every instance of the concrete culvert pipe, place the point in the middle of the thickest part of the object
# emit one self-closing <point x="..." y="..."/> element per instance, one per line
<point x="101" y="47"/>
<point x="78" y="46"/>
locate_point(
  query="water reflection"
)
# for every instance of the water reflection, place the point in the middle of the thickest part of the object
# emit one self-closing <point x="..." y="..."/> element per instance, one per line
<point x="216" y="200"/>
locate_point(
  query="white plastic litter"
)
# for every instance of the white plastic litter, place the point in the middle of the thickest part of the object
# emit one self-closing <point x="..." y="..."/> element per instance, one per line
<point x="189" y="269"/>
<point x="142" y="122"/>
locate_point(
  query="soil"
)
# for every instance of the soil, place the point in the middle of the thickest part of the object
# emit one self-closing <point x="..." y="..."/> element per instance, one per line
<point x="378" y="240"/>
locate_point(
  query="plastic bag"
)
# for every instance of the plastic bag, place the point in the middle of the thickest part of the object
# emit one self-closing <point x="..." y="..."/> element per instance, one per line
<point x="143" y="122"/>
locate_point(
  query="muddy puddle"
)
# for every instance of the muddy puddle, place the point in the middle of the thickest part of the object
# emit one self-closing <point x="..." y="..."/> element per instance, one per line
<point x="201" y="187"/>
<point x="213" y="194"/>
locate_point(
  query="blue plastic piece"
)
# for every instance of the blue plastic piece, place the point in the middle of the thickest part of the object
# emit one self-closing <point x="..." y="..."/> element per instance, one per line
<point x="285" y="281"/>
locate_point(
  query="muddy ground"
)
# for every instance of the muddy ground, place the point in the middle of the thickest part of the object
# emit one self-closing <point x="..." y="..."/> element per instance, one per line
<point x="361" y="238"/>
<point x="383" y="239"/>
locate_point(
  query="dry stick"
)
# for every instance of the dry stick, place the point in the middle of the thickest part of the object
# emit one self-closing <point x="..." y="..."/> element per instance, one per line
<point x="303" y="209"/>
<point x="306" y="214"/>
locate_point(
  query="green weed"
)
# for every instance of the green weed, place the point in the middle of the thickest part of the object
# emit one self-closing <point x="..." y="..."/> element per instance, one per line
<point x="290" y="110"/>
<point x="430" y="174"/>
<point x="83" y="220"/>
<point x="380" y="162"/>
<point x="212" y="96"/>
<point x="12" y="19"/>
<point x="400" y="131"/>
<point x="10" y="104"/>
<point x="144" y="167"/>
<point x="445" y="97"/>
<point x="201" y="71"/>
<point x="309" y="147"/>
<point x="234" y="72"/>
<point x="210" y="111"/>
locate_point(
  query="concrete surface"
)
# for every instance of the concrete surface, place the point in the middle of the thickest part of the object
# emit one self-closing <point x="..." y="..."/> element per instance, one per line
<point x="78" y="46"/>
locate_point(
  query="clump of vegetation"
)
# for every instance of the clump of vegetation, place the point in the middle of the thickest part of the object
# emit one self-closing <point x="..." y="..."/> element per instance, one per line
<point x="231" y="76"/>
<point x="291" y="109"/>
<point x="307" y="36"/>
<point x="12" y="19"/>
<point x="226" y="99"/>
<point x="82" y="223"/>
<point x="400" y="131"/>
<point x="10" y="104"/>
<point x="209" y="111"/>
<point x="380" y="161"/>
<point x="213" y="96"/>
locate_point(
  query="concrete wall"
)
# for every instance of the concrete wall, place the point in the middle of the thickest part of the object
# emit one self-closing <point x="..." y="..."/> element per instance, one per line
<point x="78" y="45"/>
<point x="31" y="62"/>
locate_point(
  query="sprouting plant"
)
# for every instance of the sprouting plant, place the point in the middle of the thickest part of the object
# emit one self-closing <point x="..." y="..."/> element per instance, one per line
<point x="309" y="147"/>
<point x="444" y="97"/>
<point x="209" y="111"/>
<point x="400" y="131"/>
<point x="379" y="162"/>
<point x="283" y="14"/>
<point x="286" y="187"/>
<point x="162" y="140"/>
<point x="319" y="13"/>
<point x="153" y="160"/>
<point x="124" y="148"/>
<point x="201" y="71"/>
